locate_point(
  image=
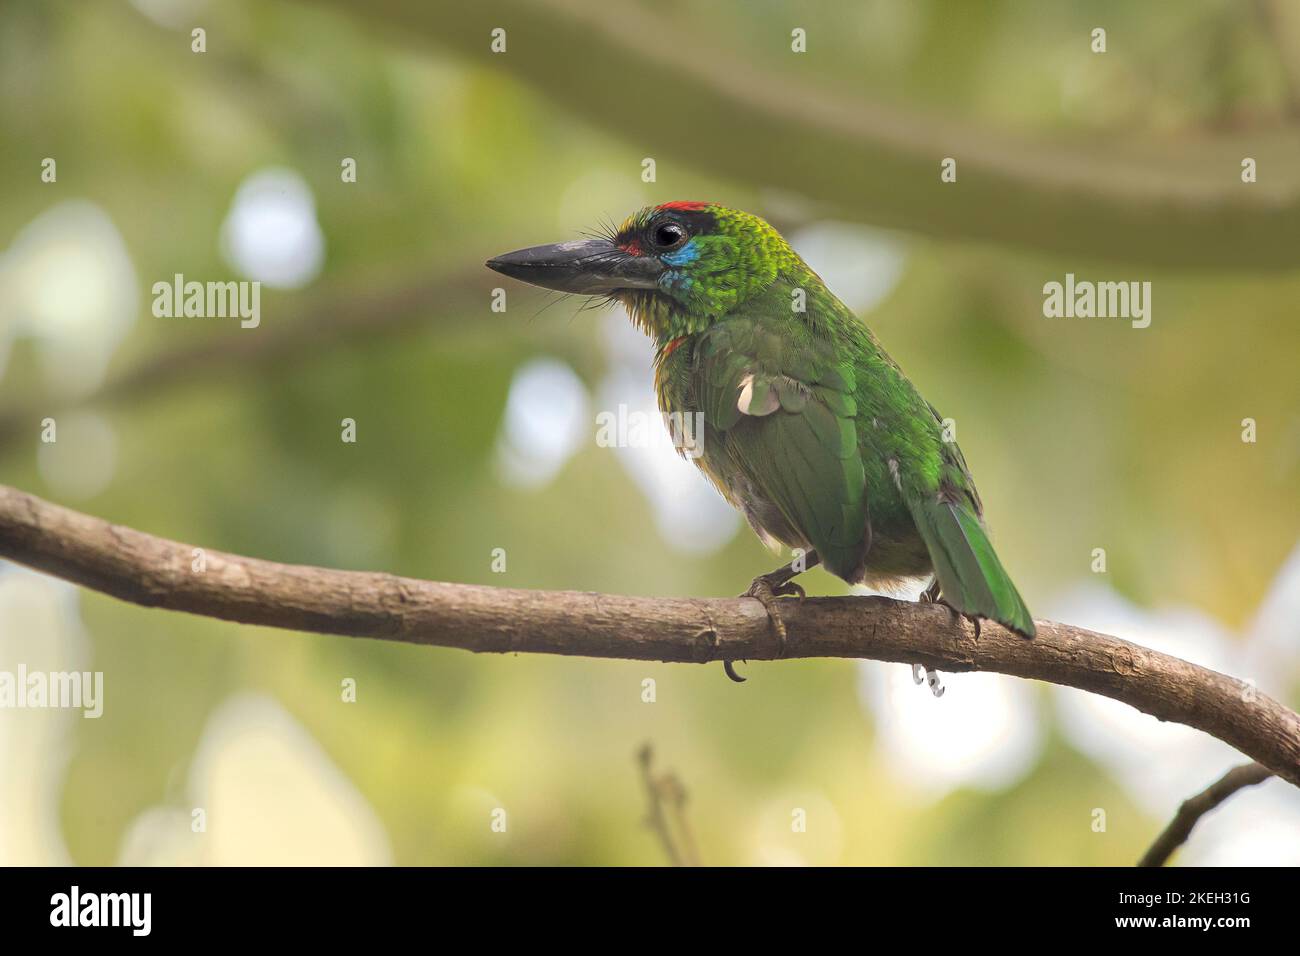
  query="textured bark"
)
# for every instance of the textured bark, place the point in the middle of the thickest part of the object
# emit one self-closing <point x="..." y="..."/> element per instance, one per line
<point x="155" y="572"/>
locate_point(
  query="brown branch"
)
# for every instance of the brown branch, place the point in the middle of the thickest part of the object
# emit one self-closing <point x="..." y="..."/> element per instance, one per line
<point x="155" y="572"/>
<point x="1193" y="808"/>
<point x="327" y="319"/>
<point x="757" y="120"/>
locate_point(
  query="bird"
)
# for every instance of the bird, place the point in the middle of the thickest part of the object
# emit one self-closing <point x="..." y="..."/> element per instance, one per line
<point x="810" y="429"/>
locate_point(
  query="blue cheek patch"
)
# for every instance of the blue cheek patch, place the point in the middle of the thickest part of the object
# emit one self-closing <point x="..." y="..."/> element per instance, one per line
<point x="676" y="281"/>
<point x="686" y="254"/>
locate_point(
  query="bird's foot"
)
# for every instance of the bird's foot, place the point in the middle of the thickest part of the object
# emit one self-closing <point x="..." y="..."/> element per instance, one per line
<point x="921" y="673"/>
<point x="767" y="589"/>
<point x="931" y="594"/>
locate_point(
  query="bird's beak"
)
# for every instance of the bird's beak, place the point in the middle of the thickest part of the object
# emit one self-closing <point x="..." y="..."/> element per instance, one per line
<point x="585" y="266"/>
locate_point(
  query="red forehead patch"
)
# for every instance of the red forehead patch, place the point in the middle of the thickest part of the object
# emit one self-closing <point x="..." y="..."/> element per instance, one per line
<point x="685" y="206"/>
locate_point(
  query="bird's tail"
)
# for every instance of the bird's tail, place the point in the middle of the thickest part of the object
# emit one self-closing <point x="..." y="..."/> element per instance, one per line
<point x="971" y="578"/>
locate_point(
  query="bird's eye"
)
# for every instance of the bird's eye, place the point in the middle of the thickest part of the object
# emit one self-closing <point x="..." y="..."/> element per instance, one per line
<point x="668" y="235"/>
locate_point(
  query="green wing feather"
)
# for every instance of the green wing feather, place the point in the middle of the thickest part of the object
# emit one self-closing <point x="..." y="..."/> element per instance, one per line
<point x="785" y="412"/>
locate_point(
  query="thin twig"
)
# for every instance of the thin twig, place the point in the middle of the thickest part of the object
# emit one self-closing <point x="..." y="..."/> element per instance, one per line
<point x="677" y="800"/>
<point x="1193" y="808"/>
<point x="656" y="793"/>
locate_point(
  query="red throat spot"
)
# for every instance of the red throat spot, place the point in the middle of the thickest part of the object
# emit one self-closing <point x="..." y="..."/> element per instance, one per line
<point x="672" y="346"/>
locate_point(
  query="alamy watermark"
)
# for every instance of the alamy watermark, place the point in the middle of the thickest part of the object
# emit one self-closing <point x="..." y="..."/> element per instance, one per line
<point x="635" y="428"/>
<point x="1084" y="299"/>
<point x="208" y="300"/>
<point x="133" y="911"/>
<point x="23" y="689"/>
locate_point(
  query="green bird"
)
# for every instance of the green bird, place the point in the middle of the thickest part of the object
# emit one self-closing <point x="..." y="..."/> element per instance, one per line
<point x="809" y="428"/>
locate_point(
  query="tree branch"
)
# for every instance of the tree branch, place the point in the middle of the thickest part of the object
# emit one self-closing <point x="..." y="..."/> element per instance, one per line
<point x="1193" y="808"/>
<point x="329" y="318"/>
<point x="1174" y="204"/>
<point x="155" y="572"/>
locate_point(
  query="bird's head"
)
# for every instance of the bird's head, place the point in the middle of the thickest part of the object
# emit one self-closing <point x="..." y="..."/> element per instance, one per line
<point x="677" y="267"/>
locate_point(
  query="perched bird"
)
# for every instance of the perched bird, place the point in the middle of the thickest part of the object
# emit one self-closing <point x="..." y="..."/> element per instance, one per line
<point x="809" y="428"/>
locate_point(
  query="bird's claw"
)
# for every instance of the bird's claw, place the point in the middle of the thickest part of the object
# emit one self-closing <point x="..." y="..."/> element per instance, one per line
<point x="921" y="673"/>
<point x="791" y="589"/>
<point x="766" y="588"/>
<point x="931" y="594"/>
<point x="766" y="592"/>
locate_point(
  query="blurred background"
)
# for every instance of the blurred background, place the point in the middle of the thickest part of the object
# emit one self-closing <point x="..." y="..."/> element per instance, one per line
<point x="476" y="430"/>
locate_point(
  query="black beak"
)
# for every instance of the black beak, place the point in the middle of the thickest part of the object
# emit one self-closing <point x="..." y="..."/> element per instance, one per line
<point x="585" y="266"/>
